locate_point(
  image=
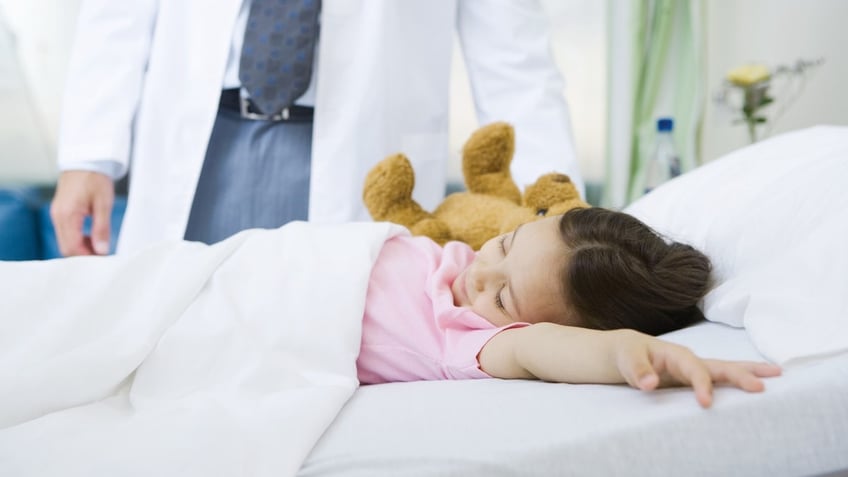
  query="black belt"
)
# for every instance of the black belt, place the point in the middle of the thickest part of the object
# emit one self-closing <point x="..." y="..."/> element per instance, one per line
<point x="231" y="99"/>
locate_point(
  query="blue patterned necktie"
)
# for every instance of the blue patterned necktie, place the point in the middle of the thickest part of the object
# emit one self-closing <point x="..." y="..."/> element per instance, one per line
<point x="276" y="57"/>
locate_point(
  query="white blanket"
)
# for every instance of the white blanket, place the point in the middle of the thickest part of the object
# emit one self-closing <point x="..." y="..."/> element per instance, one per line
<point x="183" y="359"/>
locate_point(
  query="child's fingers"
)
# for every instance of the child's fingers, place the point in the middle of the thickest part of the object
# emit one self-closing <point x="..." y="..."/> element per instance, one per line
<point x="648" y="381"/>
<point x="635" y="367"/>
<point x="758" y="368"/>
<point x="744" y="375"/>
<point x="644" y="364"/>
<point x="735" y="375"/>
<point x="763" y="370"/>
<point x="687" y="368"/>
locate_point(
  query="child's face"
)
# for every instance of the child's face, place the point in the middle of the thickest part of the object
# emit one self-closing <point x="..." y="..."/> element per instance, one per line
<point x="516" y="276"/>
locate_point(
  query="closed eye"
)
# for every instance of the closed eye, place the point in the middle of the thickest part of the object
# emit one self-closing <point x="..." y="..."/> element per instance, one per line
<point x="499" y="301"/>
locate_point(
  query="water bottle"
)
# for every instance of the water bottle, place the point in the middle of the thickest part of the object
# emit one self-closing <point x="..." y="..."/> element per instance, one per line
<point x="664" y="163"/>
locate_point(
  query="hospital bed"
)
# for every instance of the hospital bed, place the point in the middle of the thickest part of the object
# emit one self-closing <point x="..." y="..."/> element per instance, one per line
<point x="222" y="360"/>
<point x="798" y="426"/>
<point x="774" y="219"/>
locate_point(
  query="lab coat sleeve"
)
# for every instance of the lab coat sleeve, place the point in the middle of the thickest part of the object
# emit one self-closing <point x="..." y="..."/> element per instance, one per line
<point x="507" y="51"/>
<point x="104" y="83"/>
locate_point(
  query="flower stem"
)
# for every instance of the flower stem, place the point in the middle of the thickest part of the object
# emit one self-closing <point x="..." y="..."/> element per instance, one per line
<point x="752" y="130"/>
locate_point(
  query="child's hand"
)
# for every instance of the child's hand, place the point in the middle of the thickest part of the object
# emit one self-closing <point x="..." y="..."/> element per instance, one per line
<point x="566" y="354"/>
<point x="647" y="363"/>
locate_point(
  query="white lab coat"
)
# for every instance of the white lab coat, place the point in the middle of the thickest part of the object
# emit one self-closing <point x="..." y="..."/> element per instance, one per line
<point x="145" y="77"/>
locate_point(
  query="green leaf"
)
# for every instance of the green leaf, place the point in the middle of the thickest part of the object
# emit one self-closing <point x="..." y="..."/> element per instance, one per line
<point x="760" y="120"/>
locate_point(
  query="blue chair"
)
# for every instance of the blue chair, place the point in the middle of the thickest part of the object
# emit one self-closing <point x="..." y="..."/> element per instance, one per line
<point x="19" y="237"/>
<point x="50" y="247"/>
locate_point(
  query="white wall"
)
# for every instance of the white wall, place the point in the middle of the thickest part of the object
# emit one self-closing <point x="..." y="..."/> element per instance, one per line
<point x="35" y="40"/>
<point x="776" y="32"/>
<point x="23" y="150"/>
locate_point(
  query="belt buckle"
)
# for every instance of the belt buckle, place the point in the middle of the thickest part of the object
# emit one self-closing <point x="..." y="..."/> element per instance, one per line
<point x="244" y="108"/>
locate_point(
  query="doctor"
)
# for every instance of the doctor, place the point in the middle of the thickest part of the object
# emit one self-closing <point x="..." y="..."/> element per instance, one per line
<point x="163" y="88"/>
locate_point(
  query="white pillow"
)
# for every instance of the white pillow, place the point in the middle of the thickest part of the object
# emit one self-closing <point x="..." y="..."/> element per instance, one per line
<point x="773" y="218"/>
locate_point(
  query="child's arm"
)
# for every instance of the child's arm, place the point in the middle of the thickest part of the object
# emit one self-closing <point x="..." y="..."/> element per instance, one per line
<point x="565" y="354"/>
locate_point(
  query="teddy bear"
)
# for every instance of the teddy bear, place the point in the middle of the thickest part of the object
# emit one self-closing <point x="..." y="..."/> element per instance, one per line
<point x="492" y="204"/>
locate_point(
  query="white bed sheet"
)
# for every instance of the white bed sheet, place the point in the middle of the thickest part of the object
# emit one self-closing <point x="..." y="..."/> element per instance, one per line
<point x="799" y="426"/>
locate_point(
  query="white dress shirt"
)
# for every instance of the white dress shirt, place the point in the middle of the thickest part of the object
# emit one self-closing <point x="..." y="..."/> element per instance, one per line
<point x="113" y="169"/>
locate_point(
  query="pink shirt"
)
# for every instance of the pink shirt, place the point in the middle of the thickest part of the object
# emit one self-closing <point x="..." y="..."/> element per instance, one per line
<point x="411" y="329"/>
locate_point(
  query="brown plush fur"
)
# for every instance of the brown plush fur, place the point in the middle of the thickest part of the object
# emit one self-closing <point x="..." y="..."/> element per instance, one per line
<point x="493" y="204"/>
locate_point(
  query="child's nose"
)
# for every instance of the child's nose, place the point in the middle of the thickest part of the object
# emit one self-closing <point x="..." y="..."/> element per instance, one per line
<point x="484" y="275"/>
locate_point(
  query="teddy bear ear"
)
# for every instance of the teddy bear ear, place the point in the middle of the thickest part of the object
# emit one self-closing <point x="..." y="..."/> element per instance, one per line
<point x="486" y="158"/>
<point x="549" y="190"/>
<point x="552" y="194"/>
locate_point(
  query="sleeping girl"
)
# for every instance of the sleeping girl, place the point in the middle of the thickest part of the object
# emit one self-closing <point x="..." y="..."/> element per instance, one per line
<point x="249" y="348"/>
<point x="575" y="298"/>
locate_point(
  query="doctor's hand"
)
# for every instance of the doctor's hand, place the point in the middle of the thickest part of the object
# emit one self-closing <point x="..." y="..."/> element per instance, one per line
<point x="80" y="194"/>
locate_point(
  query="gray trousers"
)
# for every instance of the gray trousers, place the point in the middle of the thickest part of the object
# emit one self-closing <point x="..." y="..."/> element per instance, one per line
<point x="255" y="174"/>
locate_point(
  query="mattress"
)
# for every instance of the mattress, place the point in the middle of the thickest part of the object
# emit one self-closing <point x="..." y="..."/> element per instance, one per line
<point x="798" y="426"/>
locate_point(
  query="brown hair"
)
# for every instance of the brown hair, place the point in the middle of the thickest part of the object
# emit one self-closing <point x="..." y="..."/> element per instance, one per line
<point x="622" y="274"/>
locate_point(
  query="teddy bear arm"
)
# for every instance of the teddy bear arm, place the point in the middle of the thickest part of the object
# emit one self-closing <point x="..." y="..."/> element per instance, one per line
<point x="418" y="221"/>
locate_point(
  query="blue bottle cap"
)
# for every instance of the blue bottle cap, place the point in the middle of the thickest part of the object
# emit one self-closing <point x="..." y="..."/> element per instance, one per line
<point x="665" y="124"/>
